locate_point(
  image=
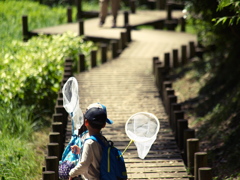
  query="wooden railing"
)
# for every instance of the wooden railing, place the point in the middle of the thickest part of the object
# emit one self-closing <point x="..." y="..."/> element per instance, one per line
<point x="196" y="162"/>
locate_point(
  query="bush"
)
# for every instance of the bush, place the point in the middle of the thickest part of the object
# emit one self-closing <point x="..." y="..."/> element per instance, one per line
<point x="38" y="66"/>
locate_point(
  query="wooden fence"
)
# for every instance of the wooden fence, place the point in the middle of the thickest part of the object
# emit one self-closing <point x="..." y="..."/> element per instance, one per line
<point x="188" y="144"/>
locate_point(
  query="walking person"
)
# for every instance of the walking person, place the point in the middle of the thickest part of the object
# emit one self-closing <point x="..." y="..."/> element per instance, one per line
<point x="115" y="4"/>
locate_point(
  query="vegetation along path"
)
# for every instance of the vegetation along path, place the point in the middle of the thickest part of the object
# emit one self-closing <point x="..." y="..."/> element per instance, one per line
<point x="126" y="86"/>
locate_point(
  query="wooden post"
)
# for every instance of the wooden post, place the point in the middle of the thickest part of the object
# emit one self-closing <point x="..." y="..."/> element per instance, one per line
<point x="52" y="165"/>
<point x="114" y="49"/>
<point x="126" y="19"/>
<point x="69" y="14"/>
<point x="48" y="175"/>
<point x="175" y="58"/>
<point x="177" y="115"/>
<point x="188" y="134"/>
<point x="68" y="62"/>
<point x="128" y="31"/>
<point x="55" y="137"/>
<point x="161" y="4"/>
<point x="61" y="110"/>
<point x="166" y="84"/>
<point x="133" y="6"/>
<point x="81" y="64"/>
<point x="174" y="107"/>
<point x="58" y="127"/>
<point x="184" y="54"/>
<point x="57" y="117"/>
<point x="183" y="24"/>
<point x="104" y="53"/>
<point x="191" y="49"/>
<point x="169" y="12"/>
<point x="159" y="75"/>
<point x="68" y="70"/>
<point x="169" y="92"/>
<point x="54" y="150"/>
<point x="154" y="61"/>
<point x="200" y="160"/>
<point x="192" y="148"/>
<point x="167" y="60"/>
<point x="171" y="99"/>
<point x="182" y="126"/>
<point x="60" y="101"/>
<point x="93" y="58"/>
<point x="25" y="32"/>
<point x="81" y="27"/>
<point x="60" y="94"/>
<point x="157" y="63"/>
<point x="123" y="40"/>
<point x="205" y="173"/>
<point x="79" y="9"/>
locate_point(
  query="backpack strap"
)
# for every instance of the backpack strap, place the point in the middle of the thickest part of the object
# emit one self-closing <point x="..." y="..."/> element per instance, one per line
<point x="97" y="139"/>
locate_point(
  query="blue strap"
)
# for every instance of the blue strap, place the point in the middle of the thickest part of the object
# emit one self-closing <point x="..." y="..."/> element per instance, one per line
<point x="71" y="114"/>
<point x="97" y="139"/>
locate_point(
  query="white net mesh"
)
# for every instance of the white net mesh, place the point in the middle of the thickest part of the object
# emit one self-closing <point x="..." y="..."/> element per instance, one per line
<point x="142" y="128"/>
<point x="71" y="101"/>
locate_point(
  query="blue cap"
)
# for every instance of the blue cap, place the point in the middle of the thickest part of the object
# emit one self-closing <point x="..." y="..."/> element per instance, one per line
<point x="109" y="121"/>
<point x="99" y="105"/>
<point x="96" y="114"/>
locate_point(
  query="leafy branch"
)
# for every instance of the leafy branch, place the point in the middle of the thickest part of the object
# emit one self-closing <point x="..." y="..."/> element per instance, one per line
<point x="234" y="6"/>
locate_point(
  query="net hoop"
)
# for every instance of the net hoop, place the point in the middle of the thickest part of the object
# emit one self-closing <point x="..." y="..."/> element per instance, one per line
<point x="132" y="136"/>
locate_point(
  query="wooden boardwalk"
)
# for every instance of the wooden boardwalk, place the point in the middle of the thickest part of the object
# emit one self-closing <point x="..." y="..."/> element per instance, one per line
<point x="126" y="86"/>
<point x="92" y="30"/>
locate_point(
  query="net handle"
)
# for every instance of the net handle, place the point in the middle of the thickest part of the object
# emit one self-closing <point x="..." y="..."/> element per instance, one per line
<point x="127" y="146"/>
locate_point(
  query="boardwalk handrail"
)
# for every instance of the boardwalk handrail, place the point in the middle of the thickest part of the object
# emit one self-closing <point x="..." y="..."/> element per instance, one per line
<point x="195" y="161"/>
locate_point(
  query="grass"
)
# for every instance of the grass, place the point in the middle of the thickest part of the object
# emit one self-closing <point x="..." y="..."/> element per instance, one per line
<point x="22" y="148"/>
<point x="22" y="159"/>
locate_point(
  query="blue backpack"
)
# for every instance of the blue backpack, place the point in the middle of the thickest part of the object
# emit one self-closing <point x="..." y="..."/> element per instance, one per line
<point x="112" y="165"/>
<point x="69" y="160"/>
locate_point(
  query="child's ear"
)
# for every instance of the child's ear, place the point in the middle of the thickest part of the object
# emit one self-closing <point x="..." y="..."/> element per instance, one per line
<point x="86" y="123"/>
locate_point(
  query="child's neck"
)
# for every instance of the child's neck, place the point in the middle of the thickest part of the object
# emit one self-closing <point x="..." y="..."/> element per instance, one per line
<point x="94" y="131"/>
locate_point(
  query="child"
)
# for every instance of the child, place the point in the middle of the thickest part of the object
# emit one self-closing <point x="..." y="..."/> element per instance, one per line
<point x="89" y="165"/>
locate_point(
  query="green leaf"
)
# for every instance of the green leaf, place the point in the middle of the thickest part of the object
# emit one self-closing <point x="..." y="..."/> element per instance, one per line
<point x="221" y="20"/>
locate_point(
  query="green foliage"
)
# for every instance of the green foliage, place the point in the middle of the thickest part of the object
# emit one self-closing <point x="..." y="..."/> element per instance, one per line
<point x="38" y="66"/>
<point x="217" y="22"/>
<point x="18" y="159"/>
<point x="232" y="6"/>
<point x="39" y="16"/>
<point x="30" y="76"/>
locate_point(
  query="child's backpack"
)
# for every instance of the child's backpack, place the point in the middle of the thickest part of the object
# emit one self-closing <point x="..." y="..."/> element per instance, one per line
<point x="69" y="160"/>
<point x="112" y="165"/>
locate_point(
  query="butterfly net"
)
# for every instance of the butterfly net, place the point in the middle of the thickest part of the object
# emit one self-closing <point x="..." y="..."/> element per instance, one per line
<point x="71" y="102"/>
<point x="142" y="129"/>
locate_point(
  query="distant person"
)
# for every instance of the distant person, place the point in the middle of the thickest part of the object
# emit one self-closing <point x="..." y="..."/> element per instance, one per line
<point x="104" y="11"/>
<point x="88" y="167"/>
